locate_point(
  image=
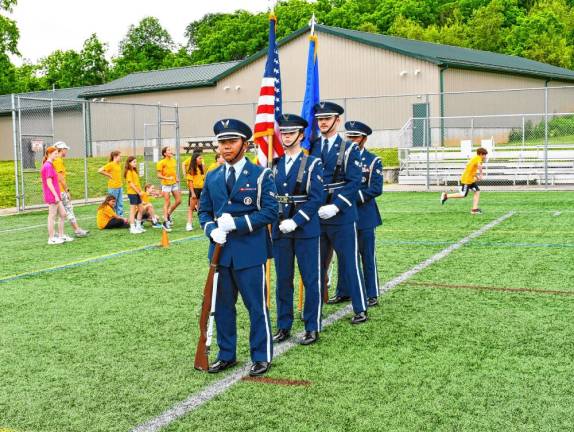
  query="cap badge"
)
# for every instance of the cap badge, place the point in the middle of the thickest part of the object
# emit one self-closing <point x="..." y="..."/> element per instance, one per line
<point x="225" y="123"/>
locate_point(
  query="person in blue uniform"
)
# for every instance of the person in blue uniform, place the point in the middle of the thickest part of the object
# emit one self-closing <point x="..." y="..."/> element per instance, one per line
<point x="236" y="205"/>
<point x="369" y="216"/>
<point x="342" y="179"/>
<point x="299" y="183"/>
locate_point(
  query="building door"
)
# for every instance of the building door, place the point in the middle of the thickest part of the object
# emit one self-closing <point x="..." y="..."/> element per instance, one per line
<point x="421" y="126"/>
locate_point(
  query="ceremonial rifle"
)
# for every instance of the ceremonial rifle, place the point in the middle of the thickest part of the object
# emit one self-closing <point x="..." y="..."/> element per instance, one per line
<point x="207" y="313"/>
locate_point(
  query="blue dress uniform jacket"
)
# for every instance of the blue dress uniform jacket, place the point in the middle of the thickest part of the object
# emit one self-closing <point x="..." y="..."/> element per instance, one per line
<point x="303" y="243"/>
<point x="253" y="206"/>
<point x="344" y="196"/>
<point x="305" y="213"/>
<point x="371" y="187"/>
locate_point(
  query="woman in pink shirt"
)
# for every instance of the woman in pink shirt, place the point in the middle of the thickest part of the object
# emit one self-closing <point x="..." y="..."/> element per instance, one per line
<point x="51" y="191"/>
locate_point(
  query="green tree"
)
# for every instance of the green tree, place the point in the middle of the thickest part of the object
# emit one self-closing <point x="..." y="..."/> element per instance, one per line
<point x="95" y="66"/>
<point x="545" y="34"/>
<point x="145" y="47"/>
<point x="61" y="69"/>
<point x="9" y="33"/>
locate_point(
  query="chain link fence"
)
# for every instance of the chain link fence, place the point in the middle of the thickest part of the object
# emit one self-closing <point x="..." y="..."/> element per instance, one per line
<point x="529" y="134"/>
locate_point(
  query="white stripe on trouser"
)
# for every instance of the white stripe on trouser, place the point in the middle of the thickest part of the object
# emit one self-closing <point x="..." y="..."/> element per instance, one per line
<point x="319" y="286"/>
<point x="265" y="313"/>
<point x="376" y="269"/>
<point x="357" y="271"/>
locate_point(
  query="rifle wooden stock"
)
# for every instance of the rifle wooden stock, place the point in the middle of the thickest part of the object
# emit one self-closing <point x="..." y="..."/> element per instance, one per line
<point x="203" y="345"/>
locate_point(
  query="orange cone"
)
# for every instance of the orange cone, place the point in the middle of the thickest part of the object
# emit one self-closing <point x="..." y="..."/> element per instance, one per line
<point x="164" y="239"/>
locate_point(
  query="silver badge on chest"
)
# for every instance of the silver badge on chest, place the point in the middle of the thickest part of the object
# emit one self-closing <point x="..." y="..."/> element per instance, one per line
<point x="247" y="201"/>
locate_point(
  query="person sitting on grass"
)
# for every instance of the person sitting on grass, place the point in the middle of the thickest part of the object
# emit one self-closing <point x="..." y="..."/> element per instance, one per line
<point x="113" y="171"/>
<point x="51" y="192"/>
<point x="106" y="218"/>
<point x="148" y="210"/>
<point x="469" y="181"/>
<point x="134" y="194"/>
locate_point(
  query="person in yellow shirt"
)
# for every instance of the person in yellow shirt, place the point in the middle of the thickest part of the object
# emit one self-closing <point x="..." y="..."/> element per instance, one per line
<point x="148" y="210"/>
<point x="194" y="170"/>
<point x="218" y="161"/>
<point x="134" y="194"/>
<point x="113" y="171"/>
<point x="64" y="190"/>
<point x="106" y="217"/>
<point x="167" y="173"/>
<point x="469" y="181"/>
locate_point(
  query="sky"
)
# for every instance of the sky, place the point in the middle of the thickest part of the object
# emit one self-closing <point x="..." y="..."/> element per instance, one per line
<point x="48" y="25"/>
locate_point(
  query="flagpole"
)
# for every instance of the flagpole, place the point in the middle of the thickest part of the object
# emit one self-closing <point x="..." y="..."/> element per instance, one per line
<point x="269" y="165"/>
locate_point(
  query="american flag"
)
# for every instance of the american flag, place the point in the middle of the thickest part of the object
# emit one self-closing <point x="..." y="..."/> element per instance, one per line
<point x="269" y="105"/>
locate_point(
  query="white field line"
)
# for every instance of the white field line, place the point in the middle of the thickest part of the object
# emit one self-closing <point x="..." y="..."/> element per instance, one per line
<point x="194" y="401"/>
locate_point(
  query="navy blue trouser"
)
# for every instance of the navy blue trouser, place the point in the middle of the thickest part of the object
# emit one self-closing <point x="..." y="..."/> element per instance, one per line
<point x="368" y="262"/>
<point x="250" y="282"/>
<point x="308" y="260"/>
<point x="343" y="239"/>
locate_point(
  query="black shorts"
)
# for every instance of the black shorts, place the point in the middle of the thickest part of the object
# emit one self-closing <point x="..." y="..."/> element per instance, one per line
<point x="197" y="194"/>
<point x="466" y="187"/>
<point x="135" y="199"/>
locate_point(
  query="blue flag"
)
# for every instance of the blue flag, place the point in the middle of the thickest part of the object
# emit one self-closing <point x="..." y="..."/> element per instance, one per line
<point x="311" y="94"/>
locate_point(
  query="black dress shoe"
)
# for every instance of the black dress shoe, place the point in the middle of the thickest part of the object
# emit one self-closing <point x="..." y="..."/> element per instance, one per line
<point x="338" y="299"/>
<point x="221" y="365"/>
<point x="259" y="368"/>
<point x="359" y="318"/>
<point x="281" y="335"/>
<point x="309" y="338"/>
<point x="373" y="301"/>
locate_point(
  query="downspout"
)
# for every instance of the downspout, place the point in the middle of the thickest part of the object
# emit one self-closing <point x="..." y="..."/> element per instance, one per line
<point x="441" y="89"/>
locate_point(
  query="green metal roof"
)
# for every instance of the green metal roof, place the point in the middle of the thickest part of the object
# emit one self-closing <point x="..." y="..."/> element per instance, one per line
<point x="61" y="97"/>
<point x="448" y="55"/>
<point x="166" y="79"/>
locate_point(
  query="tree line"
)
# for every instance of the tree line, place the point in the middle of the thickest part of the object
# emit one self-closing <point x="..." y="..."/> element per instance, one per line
<point x="541" y="30"/>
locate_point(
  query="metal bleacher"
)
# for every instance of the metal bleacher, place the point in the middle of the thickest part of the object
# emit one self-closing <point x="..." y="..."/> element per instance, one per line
<point x="506" y="165"/>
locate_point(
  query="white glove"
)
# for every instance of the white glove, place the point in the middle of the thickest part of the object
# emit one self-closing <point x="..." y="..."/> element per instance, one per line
<point x="328" y="211"/>
<point x="218" y="236"/>
<point x="226" y="222"/>
<point x="287" y="226"/>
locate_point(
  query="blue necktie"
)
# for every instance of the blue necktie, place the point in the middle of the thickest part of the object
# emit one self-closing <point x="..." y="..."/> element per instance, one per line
<point x="230" y="179"/>
<point x="325" y="150"/>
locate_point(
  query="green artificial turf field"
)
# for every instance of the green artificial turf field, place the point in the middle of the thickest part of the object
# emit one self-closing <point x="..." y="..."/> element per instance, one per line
<point x="480" y="340"/>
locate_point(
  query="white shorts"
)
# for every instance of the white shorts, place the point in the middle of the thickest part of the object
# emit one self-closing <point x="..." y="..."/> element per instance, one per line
<point x="170" y="188"/>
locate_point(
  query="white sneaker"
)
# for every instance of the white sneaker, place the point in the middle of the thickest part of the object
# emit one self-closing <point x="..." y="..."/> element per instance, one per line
<point x="134" y="230"/>
<point x="55" y="240"/>
<point x="188" y="227"/>
<point x="81" y="233"/>
<point x="140" y="228"/>
<point x="67" y="238"/>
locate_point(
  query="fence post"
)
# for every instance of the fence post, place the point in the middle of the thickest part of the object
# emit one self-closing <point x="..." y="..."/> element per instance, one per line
<point x="523" y="132"/>
<point x="134" y="145"/>
<point x="426" y="141"/>
<point x="177" y="144"/>
<point x="546" y="136"/>
<point x="22" y="189"/>
<point x="15" y="142"/>
<point x="159" y="126"/>
<point x="84" y="127"/>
